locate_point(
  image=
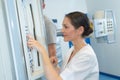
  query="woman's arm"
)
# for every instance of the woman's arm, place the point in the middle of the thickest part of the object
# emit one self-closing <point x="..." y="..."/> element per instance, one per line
<point x="50" y="72"/>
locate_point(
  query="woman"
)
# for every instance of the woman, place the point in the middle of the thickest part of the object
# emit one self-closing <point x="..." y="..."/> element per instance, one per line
<point x="80" y="62"/>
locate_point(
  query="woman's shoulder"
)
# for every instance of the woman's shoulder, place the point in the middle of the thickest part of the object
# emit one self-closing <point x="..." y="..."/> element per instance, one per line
<point x="86" y="51"/>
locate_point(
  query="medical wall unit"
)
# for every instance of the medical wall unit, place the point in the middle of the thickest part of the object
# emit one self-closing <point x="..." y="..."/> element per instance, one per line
<point x="22" y="18"/>
<point x="104" y="25"/>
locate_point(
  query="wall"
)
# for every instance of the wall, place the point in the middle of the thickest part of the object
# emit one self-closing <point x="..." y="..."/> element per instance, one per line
<point x="6" y="71"/>
<point x="108" y="54"/>
<point x="58" y="8"/>
<point x="12" y="65"/>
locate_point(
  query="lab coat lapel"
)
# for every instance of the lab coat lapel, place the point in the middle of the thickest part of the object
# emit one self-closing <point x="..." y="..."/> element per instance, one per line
<point x="67" y="57"/>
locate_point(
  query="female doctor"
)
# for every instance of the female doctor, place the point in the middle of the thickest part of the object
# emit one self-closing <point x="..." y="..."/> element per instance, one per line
<point x="80" y="63"/>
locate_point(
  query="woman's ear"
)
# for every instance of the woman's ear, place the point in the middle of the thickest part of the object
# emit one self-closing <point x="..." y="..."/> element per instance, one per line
<point x="80" y="30"/>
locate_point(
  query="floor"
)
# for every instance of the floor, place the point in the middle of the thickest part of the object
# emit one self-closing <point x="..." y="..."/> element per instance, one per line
<point x="103" y="77"/>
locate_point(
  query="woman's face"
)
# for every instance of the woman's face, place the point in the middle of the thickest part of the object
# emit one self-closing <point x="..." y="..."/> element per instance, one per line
<point x="69" y="32"/>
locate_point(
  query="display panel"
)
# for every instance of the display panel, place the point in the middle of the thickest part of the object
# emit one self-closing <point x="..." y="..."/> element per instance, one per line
<point x="31" y="23"/>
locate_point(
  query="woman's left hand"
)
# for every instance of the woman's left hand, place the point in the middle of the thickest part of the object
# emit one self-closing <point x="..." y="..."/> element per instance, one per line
<point x="54" y="61"/>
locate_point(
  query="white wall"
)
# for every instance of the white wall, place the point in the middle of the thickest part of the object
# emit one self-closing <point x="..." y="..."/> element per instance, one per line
<point x="56" y="9"/>
<point x="6" y="71"/>
<point x="108" y="54"/>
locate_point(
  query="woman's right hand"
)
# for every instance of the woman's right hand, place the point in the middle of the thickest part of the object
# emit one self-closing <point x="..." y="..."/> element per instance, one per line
<point x="32" y="43"/>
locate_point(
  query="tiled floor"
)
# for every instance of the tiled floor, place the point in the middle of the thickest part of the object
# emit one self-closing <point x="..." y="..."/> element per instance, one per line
<point x="103" y="77"/>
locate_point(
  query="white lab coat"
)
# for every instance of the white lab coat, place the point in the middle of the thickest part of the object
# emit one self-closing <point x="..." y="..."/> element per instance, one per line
<point x="83" y="66"/>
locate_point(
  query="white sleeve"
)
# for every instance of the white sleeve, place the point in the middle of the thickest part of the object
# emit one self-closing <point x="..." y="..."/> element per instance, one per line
<point x="78" y="69"/>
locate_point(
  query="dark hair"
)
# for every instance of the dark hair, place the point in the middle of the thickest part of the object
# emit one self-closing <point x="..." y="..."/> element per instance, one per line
<point x="79" y="19"/>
